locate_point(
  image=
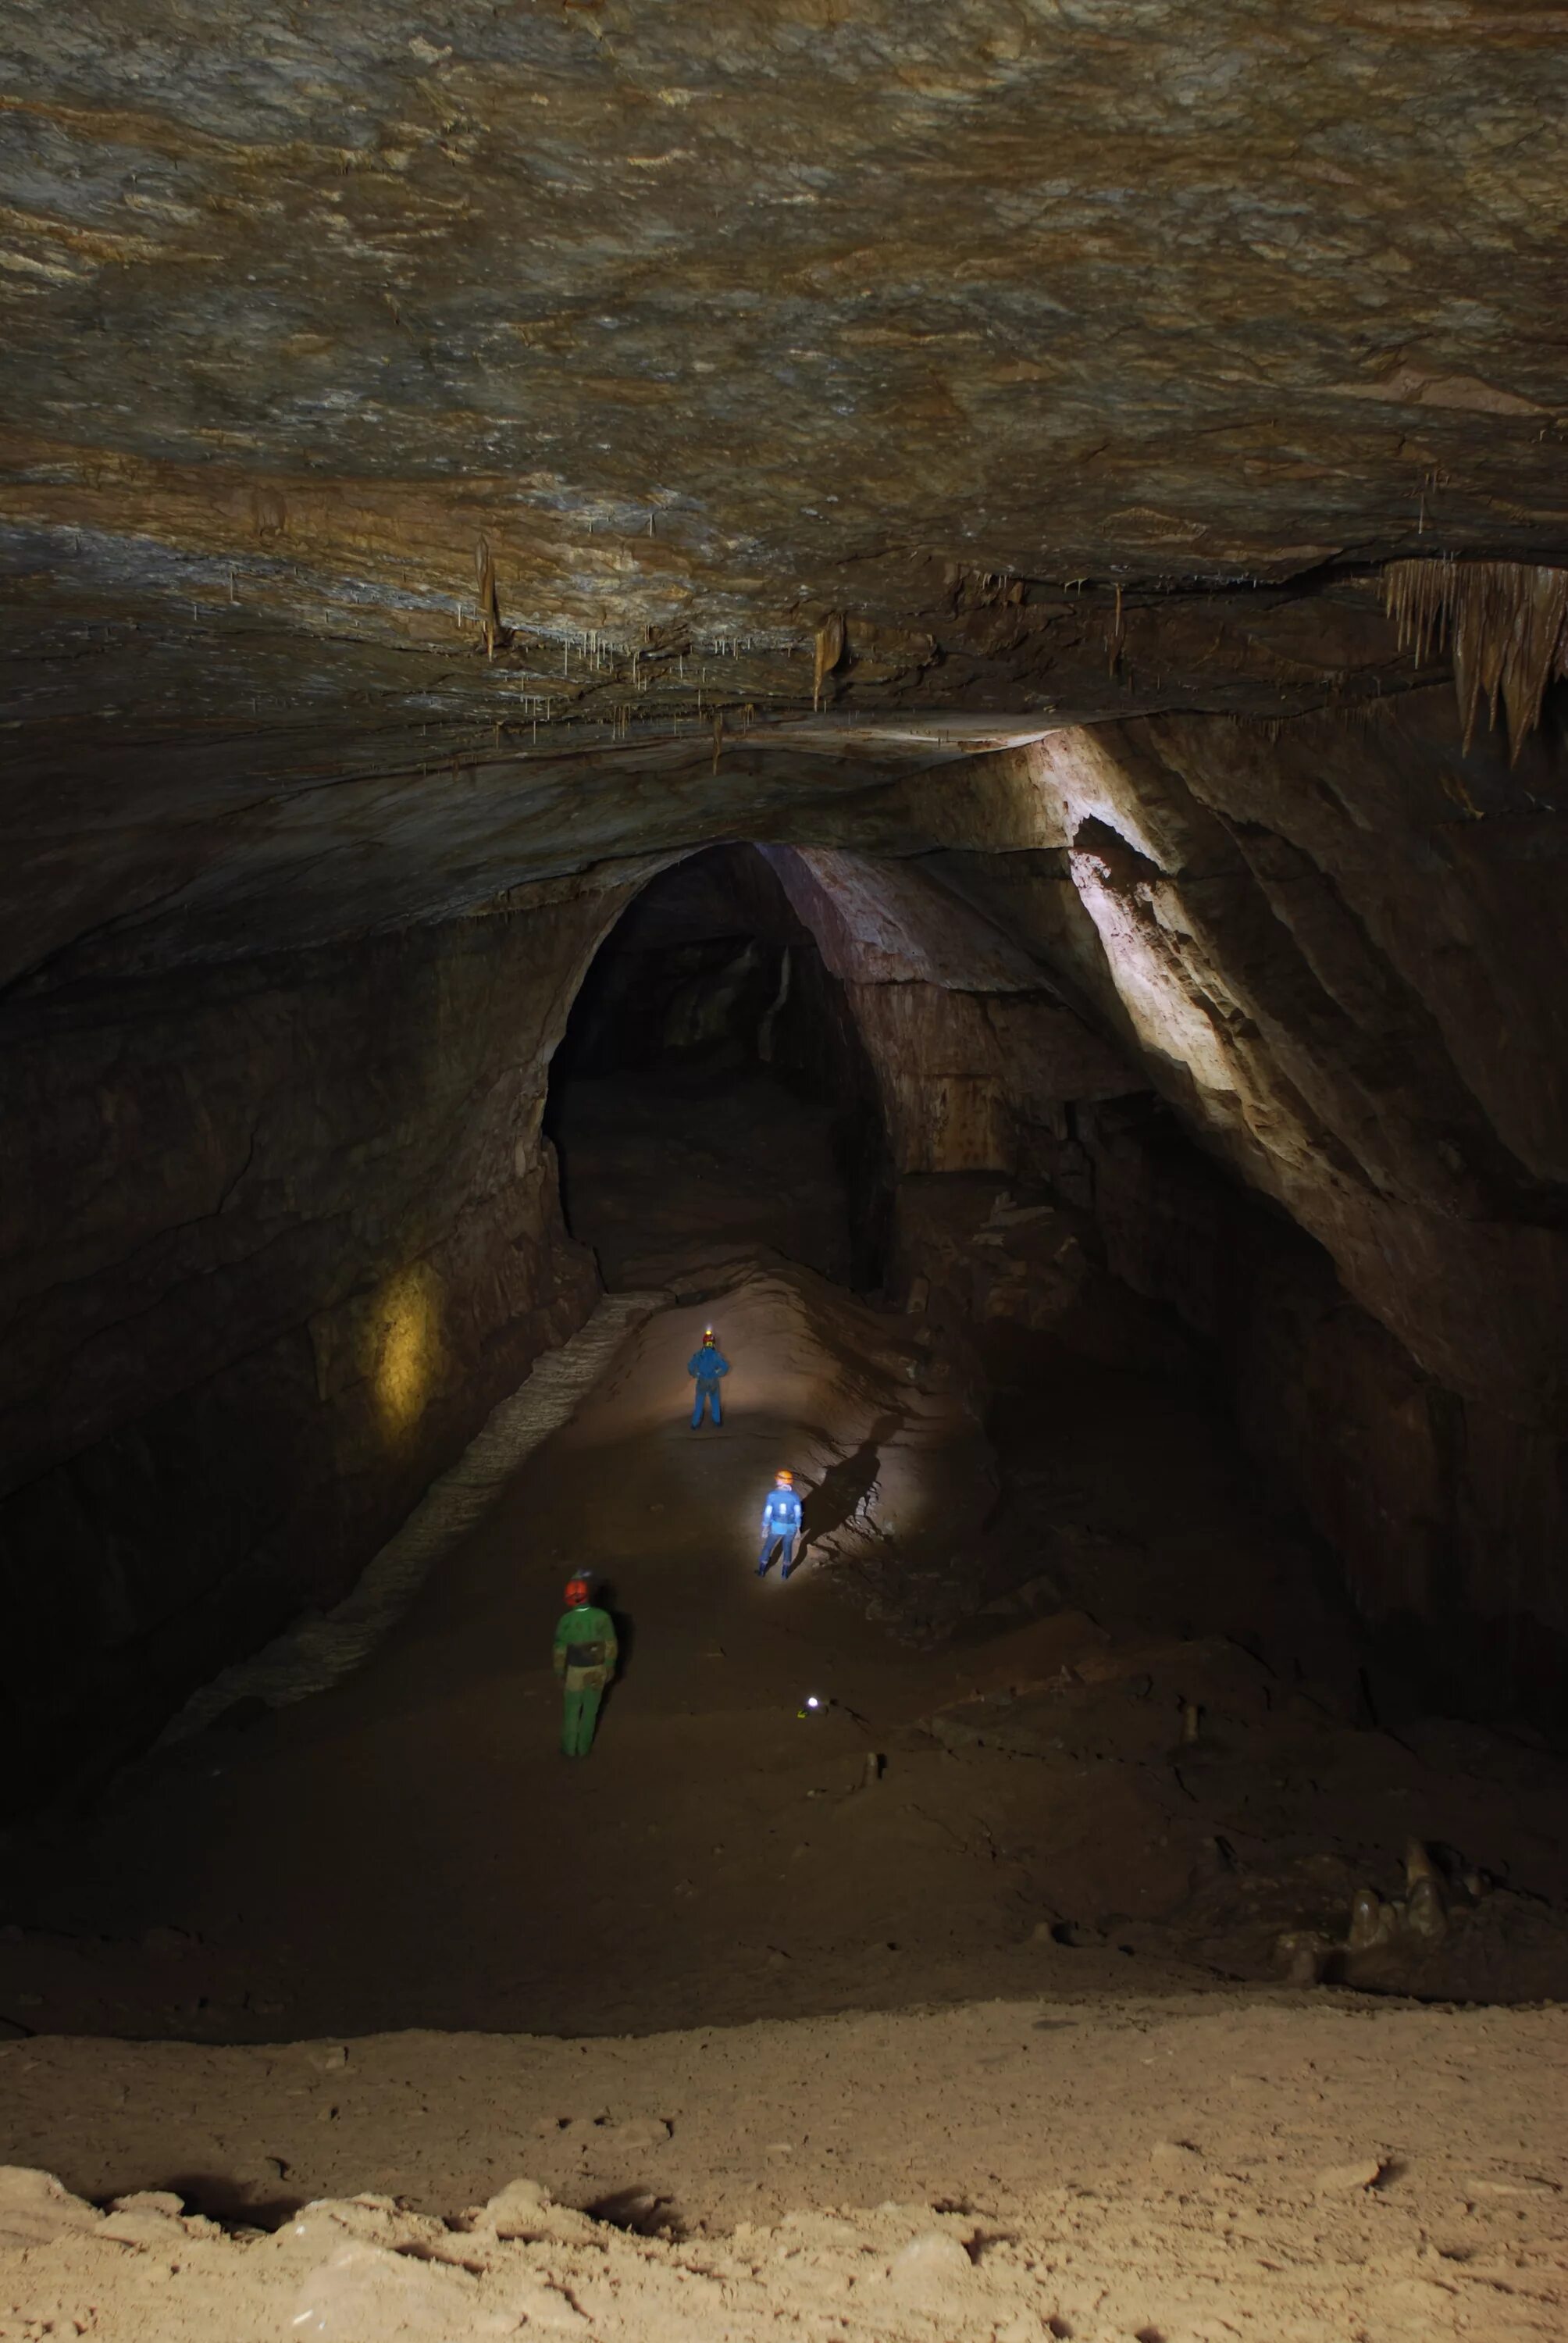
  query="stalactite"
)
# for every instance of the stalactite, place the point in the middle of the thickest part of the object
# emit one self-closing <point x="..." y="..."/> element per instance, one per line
<point x="1506" y="623"/>
<point x="831" y="638"/>
<point x="489" y="606"/>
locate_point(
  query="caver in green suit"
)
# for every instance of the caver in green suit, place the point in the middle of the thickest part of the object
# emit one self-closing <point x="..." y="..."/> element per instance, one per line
<point x="584" y="1656"/>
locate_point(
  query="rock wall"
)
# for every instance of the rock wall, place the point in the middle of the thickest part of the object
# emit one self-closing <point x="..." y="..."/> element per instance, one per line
<point x="276" y="1238"/>
<point x="1285" y="1005"/>
<point x="1373" y="1448"/>
<point x="1342" y="953"/>
<point x="969" y="1041"/>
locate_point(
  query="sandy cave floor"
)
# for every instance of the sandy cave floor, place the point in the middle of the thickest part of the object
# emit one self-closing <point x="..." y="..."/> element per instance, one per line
<point x="985" y="1944"/>
<point x="1191" y="2169"/>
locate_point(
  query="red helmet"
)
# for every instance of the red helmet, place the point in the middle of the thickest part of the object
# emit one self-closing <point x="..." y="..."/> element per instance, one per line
<point x="577" y="1593"/>
<point x="709" y="1339"/>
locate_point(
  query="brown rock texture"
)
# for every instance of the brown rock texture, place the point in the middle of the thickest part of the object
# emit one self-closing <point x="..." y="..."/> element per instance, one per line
<point x="278" y="1239"/>
<point x="1334" y="947"/>
<point x="964" y="1036"/>
<point x="388" y="371"/>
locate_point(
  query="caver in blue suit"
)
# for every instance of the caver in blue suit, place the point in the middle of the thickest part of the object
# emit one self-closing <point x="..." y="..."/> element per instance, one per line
<point x="780" y="1525"/>
<point x="707" y="1366"/>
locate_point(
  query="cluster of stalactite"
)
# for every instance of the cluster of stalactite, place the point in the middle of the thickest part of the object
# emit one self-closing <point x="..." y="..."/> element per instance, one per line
<point x="1506" y="623"/>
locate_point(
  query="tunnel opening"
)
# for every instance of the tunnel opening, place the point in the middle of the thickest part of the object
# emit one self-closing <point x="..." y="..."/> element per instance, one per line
<point x="711" y="1092"/>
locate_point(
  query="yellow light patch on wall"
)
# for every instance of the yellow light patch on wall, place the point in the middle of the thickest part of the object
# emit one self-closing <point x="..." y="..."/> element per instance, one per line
<point x="409" y="1344"/>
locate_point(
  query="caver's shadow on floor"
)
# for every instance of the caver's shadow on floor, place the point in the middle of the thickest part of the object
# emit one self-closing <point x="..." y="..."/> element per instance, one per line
<point x="625" y="1635"/>
<point x="843" y="1488"/>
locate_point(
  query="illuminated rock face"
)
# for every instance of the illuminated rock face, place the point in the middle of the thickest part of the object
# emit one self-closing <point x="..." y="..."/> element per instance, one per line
<point x="1369" y="931"/>
<point x="1335" y="951"/>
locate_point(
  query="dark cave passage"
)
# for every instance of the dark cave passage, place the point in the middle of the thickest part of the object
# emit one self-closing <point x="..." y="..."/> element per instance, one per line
<point x="1091" y="1685"/>
<point x="711" y="1094"/>
<point x="1064" y="1398"/>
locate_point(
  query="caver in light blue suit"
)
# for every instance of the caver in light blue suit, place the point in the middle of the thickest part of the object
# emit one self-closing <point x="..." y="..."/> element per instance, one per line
<point x="780" y="1526"/>
<point x="707" y="1365"/>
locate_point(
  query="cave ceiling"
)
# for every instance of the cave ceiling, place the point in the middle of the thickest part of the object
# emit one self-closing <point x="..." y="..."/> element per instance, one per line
<point x="442" y="446"/>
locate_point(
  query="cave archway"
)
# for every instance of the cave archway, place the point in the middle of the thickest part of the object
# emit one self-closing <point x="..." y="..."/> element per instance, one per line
<point x="712" y="1090"/>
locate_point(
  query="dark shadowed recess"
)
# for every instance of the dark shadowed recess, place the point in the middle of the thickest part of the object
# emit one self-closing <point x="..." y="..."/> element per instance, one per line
<point x="712" y="1078"/>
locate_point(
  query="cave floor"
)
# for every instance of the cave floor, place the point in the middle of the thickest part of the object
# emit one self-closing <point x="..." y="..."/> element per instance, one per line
<point x="409" y="1848"/>
<point x="1028" y="1973"/>
<point x="1194" y="2168"/>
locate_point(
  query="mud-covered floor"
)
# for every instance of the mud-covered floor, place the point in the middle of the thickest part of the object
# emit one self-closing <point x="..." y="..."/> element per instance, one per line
<point x="1094" y="1749"/>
